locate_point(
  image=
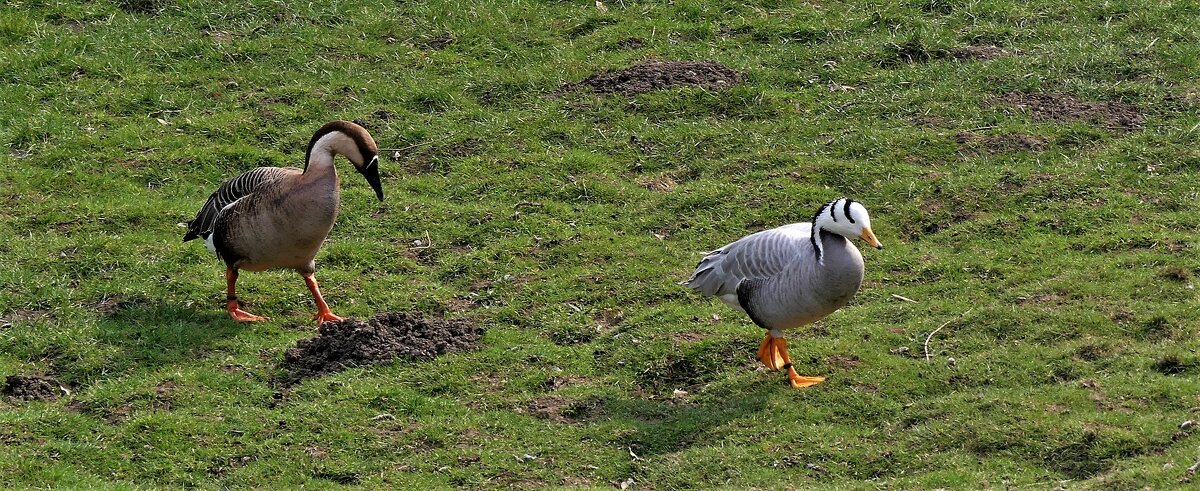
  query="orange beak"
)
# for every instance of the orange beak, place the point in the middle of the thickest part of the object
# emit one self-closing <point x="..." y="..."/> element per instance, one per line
<point x="869" y="237"/>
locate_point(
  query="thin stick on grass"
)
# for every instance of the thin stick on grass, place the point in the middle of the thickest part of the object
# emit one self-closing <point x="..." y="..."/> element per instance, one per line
<point x="418" y="246"/>
<point x="944" y="324"/>
<point x="396" y="151"/>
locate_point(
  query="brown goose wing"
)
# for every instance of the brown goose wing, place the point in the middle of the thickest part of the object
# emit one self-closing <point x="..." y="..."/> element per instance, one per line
<point x="230" y="191"/>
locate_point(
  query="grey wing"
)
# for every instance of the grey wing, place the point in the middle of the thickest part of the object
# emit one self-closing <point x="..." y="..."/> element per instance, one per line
<point x="761" y="255"/>
<point x="231" y="191"/>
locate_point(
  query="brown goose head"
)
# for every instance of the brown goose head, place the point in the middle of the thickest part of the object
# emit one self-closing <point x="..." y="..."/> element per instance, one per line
<point x="353" y="141"/>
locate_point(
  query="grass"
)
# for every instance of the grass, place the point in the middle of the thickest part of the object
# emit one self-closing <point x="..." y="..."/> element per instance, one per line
<point x="1064" y="275"/>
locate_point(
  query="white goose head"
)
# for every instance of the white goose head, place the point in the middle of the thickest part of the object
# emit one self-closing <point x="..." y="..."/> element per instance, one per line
<point x="353" y="141"/>
<point x="845" y="217"/>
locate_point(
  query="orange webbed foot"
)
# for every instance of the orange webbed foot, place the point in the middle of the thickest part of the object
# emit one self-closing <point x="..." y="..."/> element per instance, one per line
<point x="242" y="316"/>
<point x="325" y="316"/>
<point x="799" y="381"/>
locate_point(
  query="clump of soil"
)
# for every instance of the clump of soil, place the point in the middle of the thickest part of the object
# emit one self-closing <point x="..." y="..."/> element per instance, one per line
<point x="652" y="75"/>
<point x="31" y="387"/>
<point x="1012" y="142"/>
<point x="437" y="43"/>
<point x="631" y="43"/>
<point x="352" y="342"/>
<point x="978" y="53"/>
<point x="1176" y="273"/>
<point x="1059" y="107"/>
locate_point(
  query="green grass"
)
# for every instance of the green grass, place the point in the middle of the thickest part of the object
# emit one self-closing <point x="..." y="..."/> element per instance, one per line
<point x="1064" y="276"/>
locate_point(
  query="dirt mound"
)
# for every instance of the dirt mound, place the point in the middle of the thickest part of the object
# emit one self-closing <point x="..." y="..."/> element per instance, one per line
<point x="653" y="75"/>
<point x="1013" y="142"/>
<point x="353" y="342"/>
<point x="31" y="387"/>
<point x="1058" y="107"/>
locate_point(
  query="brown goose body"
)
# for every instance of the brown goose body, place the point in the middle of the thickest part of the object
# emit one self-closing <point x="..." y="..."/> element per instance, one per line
<point x="278" y="217"/>
<point x="280" y="226"/>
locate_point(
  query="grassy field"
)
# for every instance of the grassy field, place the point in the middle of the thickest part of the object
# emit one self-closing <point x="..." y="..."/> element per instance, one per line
<point x="1032" y="168"/>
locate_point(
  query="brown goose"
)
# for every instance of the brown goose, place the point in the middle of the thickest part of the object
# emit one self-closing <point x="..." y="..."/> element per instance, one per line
<point x="277" y="217"/>
<point x="790" y="276"/>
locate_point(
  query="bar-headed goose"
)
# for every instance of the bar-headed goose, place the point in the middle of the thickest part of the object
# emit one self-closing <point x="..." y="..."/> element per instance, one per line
<point x="277" y="217"/>
<point x="790" y="276"/>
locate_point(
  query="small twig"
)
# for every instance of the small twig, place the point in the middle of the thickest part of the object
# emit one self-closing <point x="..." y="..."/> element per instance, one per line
<point x="944" y="324"/>
<point x="902" y="297"/>
<point x="529" y="204"/>
<point x="981" y="128"/>
<point x="428" y="242"/>
<point x="396" y="151"/>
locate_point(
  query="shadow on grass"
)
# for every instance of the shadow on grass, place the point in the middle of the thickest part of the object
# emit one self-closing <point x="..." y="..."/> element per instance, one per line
<point x="155" y="334"/>
<point x="662" y="427"/>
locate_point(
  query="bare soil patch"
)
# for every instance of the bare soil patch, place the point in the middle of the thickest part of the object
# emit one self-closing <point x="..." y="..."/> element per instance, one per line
<point x="630" y="43"/>
<point x="845" y="362"/>
<point x="437" y="43"/>
<point x="1059" y="107"/>
<point x="1011" y="142"/>
<point x="32" y="387"/>
<point x="652" y="75"/>
<point x="564" y="410"/>
<point x="352" y="342"/>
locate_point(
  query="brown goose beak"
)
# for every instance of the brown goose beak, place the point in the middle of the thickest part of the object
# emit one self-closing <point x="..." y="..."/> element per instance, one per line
<point x="371" y="172"/>
<point x="869" y="237"/>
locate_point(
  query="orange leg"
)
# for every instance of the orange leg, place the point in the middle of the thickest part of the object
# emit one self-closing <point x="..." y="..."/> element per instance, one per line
<point x="773" y="353"/>
<point x="768" y="354"/>
<point x="798" y="381"/>
<point x="323" y="313"/>
<point x="231" y="302"/>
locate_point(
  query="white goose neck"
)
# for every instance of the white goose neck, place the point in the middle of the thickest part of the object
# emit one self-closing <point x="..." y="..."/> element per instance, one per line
<point x="320" y="158"/>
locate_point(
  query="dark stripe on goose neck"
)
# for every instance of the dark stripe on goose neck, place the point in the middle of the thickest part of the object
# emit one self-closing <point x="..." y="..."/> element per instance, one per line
<point x="846" y="210"/>
<point x="816" y="231"/>
<point x="351" y="130"/>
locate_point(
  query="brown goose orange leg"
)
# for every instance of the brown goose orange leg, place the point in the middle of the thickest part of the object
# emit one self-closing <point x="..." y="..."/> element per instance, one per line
<point x="231" y="302"/>
<point x="323" y="313"/>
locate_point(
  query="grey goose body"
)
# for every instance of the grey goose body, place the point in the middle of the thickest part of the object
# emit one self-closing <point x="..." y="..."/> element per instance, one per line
<point x="790" y="276"/>
<point x="278" y="217"/>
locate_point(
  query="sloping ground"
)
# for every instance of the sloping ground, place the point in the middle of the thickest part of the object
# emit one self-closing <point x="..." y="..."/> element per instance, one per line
<point x="553" y="169"/>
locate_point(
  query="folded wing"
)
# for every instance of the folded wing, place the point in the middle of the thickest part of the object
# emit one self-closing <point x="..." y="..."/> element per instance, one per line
<point x="757" y="256"/>
<point x="230" y="191"/>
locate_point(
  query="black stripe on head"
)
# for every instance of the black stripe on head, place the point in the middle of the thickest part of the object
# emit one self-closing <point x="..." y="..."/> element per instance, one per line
<point x="820" y="211"/>
<point x="846" y="210"/>
<point x="362" y="139"/>
<point x="815" y="235"/>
